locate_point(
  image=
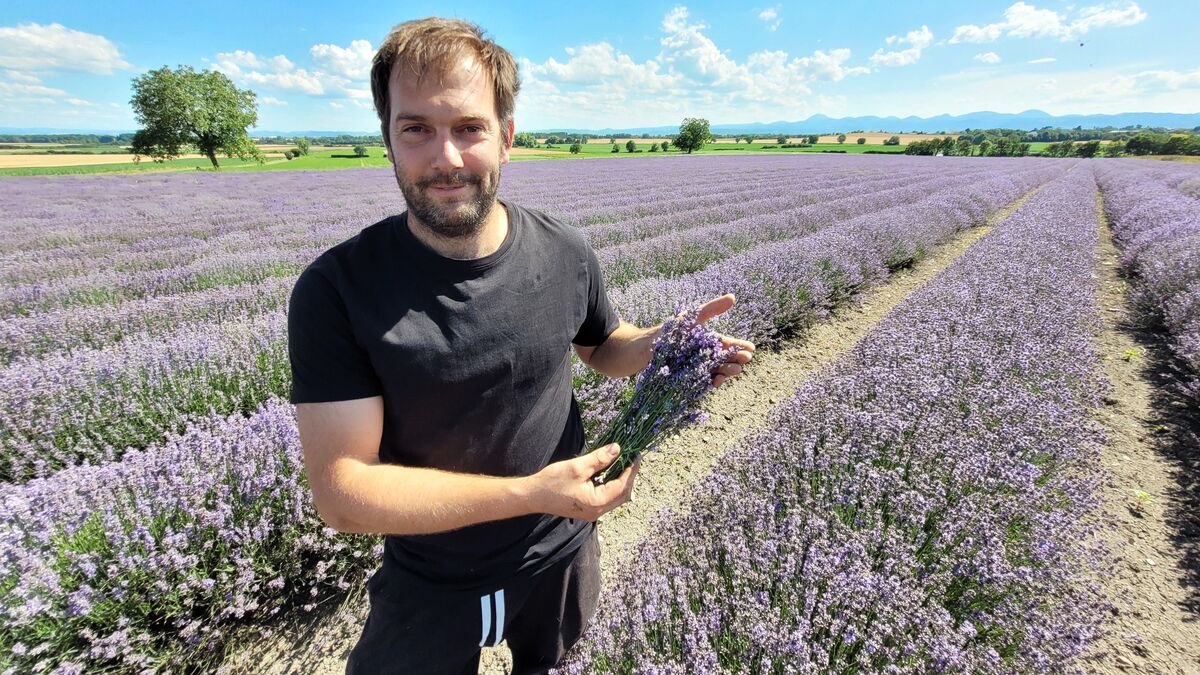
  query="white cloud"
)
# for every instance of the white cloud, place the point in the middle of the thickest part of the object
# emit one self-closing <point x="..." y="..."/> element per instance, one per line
<point x="601" y="63"/>
<point x="236" y="60"/>
<point x="771" y="17"/>
<point x="1022" y="20"/>
<point x="78" y="102"/>
<point x="335" y="105"/>
<point x="690" y="76"/>
<point x="353" y="62"/>
<point x="917" y="40"/>
<point x="14" y="89"/>
<point x="271" y="100"/>
<point x="988" y="57"/>
<point x="1046" y="59"/>
<point x="281" y="74"/>
<point x="38" y="47"/>
<point x="1169" y="79"/>
<point x="22" y="77"/>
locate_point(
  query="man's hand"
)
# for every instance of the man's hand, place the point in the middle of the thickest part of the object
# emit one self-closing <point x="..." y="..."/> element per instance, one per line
<point x="733" y="366"/>
<point x="566" y="488"/>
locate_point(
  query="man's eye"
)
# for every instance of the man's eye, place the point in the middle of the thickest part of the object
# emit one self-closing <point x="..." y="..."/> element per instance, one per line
<point x="412" y="128"/>
<point x="473" y="129"/>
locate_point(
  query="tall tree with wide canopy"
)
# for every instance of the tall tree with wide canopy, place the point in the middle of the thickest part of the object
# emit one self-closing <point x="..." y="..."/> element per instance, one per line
<point x="693" y="134"/>
<point x="181" y="108"/>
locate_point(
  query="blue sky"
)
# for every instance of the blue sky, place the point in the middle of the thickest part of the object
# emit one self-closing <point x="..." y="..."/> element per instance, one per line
<point x="588" y="65"/>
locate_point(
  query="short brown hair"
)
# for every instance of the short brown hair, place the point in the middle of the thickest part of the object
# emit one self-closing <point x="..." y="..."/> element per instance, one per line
<point x="435" y="45"/>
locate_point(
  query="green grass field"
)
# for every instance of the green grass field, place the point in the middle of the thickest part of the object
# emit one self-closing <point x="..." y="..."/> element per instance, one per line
<point x="643" y="149"/>
<point x="343" y="158"/>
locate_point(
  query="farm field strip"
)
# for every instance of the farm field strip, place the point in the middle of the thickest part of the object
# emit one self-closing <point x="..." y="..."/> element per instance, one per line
<point x="131" y="274"/>
<point x="785" y="287"/>
<point x="116" y="254"/>
<point x="95" y="325"/>
<point x="103" y="209"/>
<point x="67" y="406"/>
<point x="105" y="311"/>
<point x="689" y="250"/>
<point x="1157" y="228"/>
<point x="921" y="505"/>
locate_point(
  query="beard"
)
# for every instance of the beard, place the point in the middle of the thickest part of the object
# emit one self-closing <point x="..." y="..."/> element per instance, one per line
<point x="456" y="220"/>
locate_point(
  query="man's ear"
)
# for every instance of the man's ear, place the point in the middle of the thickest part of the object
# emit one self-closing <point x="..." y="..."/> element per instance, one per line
<point x="504" y="151"/>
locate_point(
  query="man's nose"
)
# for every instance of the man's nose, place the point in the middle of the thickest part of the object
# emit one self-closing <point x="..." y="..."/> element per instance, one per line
<point x="447" y="157"/>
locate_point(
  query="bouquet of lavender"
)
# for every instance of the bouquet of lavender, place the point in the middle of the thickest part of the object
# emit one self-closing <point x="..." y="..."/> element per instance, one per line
<point x="667" y="390"/>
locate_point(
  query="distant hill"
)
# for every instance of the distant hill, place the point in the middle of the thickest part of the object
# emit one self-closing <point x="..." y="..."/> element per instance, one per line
<point x="1028" y="120"/>
<point x="817" y="124"/>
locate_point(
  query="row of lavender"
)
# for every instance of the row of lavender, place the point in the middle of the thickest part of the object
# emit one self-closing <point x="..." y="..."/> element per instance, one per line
<point x="921" y="506"/>
<point x="1154" y="210"/>
<point x="244" y="275"/>
<point x="105" y="225"/>
<point x="150" y="560"/>
<point x="161" y="267"/>
<point x="92" y="404"/>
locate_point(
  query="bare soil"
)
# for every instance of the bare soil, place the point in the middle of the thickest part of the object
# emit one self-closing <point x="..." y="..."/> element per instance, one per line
<point x="1151" y="504"/>
<point x="320" y="644"/>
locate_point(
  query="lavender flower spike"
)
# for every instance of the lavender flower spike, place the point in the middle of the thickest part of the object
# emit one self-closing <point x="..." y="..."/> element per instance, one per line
<point x="667" y="390"/>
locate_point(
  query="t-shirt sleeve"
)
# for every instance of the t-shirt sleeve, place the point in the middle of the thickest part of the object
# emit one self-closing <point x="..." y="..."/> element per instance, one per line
<point x="328" y="363"/>
<point x="602" y="318"/>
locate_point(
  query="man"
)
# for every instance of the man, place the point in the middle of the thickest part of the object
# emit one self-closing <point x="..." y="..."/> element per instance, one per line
<point x="431" y="376"/>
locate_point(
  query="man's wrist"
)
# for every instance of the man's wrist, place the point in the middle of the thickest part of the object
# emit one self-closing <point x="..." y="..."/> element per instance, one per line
<point x="525" y="491"/>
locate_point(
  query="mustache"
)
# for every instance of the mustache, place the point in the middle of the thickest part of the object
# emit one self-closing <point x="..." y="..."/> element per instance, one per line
<point x="450" y="180"/>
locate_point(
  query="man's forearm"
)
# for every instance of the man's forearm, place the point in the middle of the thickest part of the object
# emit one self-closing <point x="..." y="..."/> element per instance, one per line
<point x="391" y="499"/>
<point x="626" y="351"/>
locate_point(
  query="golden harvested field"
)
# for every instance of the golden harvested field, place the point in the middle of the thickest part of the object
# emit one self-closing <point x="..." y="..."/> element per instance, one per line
<point x="27" y="161"/>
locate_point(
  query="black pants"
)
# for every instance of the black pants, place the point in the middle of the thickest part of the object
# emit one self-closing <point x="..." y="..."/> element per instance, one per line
<point x="418" y="629"/>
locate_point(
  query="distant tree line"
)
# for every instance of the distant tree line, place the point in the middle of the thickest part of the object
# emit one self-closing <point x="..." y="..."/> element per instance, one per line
<point x="69" y="139"/>
<point x="341" y="139"/>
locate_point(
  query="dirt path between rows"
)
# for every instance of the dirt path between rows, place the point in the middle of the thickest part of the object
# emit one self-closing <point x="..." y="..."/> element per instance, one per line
<point x="1151" y="505"/>
<point x="666" y="478"/>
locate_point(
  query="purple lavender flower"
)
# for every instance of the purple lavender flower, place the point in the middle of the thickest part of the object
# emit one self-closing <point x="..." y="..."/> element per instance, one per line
<point x="679" y="374"/>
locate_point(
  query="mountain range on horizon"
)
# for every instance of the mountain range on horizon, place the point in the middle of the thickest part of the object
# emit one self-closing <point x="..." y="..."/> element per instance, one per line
<point x="815" y="124"/>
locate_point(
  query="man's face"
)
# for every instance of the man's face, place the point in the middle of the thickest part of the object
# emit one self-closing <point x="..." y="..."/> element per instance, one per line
<point x="447" y="147"/>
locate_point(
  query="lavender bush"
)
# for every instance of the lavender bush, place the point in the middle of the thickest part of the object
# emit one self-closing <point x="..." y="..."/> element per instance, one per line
<point x="144" y="564"/>
<point x="922" y="506"/>
<point x="1156" y="222"/>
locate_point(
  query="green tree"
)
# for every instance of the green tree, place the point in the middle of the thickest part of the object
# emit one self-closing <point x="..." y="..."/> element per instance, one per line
<point x="303" y="145"/>
<point x="861" y="140"/>
<point x="781" y="140"/>
<point x="576" y="148"/>
<point x="654" y="147"/>
<point x="360" y="151"/>
<point x="666" y="146"/>
<point x="180" y="108"/>
<point x="630" y="146"/>
<point x="813" y="139"/>
<point x="615" y="148"/>
<point x="892" y="140"/>
<point x="693" y="134"/>
<point x="525" y="141"/>
<point x="1088" y="149"/>
<point x="841" y="138"/>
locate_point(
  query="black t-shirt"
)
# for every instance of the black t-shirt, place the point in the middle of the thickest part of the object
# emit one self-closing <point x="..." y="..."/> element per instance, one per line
<point x="473" y="361"/>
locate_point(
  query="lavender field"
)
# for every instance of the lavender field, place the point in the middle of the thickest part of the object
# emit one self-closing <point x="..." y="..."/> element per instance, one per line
<point x="923" y="505"/>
